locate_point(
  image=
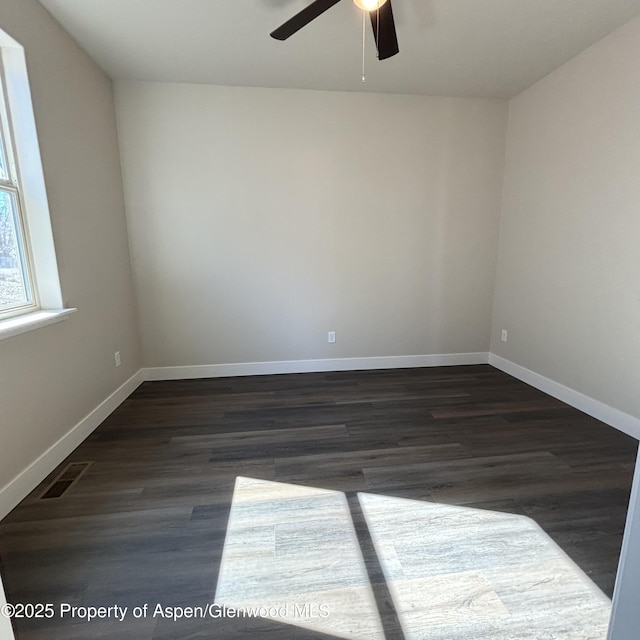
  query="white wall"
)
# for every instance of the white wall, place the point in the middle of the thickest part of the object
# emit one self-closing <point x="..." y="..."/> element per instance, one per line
<point x="625" y="620"/>
<point x="53" y="377"/>
<point x="568" y="279"/>
<point x="260" y="219"/>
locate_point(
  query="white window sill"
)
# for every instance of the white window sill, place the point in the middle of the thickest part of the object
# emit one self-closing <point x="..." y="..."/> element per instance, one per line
<point x="30" y="321"/>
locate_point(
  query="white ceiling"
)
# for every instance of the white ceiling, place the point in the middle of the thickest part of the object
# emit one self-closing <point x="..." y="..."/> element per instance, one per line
<point x="484" y="48"/>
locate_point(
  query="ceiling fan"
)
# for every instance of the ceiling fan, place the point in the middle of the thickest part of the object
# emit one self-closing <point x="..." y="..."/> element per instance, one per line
<point x="384" y="28"/>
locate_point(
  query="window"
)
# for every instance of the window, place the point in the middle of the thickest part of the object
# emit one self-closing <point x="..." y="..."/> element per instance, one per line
<point x="30" y="294"/>
<point x="17" y="292"/>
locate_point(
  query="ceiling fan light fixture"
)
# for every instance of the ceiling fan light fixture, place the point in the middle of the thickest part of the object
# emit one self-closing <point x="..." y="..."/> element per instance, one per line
<point x="380" y="14"/>
<point x="369" y="5"/>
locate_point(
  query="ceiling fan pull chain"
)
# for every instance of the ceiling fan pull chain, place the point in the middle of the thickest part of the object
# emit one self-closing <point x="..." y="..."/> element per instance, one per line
<point x="364" y="22"/>
<point x="378" y="29"/>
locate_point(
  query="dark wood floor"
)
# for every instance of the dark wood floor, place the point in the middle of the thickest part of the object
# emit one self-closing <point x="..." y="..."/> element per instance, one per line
<point x="147" y="522"/>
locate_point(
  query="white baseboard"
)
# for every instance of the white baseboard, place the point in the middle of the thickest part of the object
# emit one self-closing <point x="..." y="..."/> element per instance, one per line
<point x="25" y="482"/>
<point x="16" y="490"/>
<point x="312" y="366"/>
<point x="614" y="417"/>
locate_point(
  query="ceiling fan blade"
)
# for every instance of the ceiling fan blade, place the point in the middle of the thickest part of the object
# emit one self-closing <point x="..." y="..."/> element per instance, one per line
<point x="302" y="19"/>
<point x="385" y="31"/>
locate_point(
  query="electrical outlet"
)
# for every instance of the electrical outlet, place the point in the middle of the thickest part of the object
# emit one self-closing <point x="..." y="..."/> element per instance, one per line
<point x="116" y="356"/>
<point x="331" y="337"/>
<point x="503" y="335"/>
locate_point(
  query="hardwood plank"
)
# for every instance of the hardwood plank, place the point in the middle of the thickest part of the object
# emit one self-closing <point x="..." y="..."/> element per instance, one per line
<point x="147" y="523"/>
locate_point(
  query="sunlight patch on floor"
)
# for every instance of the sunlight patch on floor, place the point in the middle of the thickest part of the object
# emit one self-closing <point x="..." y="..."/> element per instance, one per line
<point x="292" y="552"/>
<point x="456" y="572"/>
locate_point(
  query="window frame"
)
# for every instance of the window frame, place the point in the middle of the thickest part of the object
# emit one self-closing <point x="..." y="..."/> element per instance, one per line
<point x="47" y="304"/>
<point x="12" y="185"/>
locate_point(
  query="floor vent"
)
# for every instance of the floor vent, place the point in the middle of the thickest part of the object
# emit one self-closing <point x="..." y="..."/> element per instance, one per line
<point x="65" y="479"/>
